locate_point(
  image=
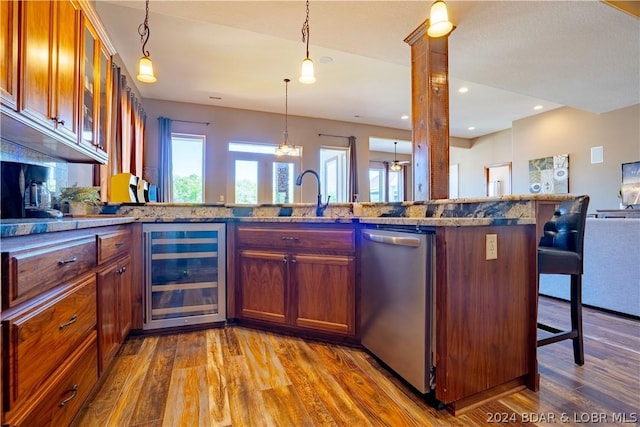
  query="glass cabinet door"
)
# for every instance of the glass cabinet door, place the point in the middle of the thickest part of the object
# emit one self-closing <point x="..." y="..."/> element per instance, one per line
<point x="88" y="85"/>
<point x="104" y="100"/>
<point x="185" y="274"/>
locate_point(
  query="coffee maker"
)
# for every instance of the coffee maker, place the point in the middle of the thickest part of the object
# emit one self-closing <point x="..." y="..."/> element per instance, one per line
<point x="24" y="191"/>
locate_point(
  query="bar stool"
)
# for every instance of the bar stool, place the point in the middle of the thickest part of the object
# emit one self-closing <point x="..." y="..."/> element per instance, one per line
<point x="561" y="252"/>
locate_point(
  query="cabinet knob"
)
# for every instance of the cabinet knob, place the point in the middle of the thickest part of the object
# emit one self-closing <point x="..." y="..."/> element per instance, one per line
<point x="284" y="260"/>
<point x="293" y="260"/>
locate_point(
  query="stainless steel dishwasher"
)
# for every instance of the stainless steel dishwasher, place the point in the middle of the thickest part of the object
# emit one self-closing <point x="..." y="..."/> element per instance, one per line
<point x="396" y="300"/>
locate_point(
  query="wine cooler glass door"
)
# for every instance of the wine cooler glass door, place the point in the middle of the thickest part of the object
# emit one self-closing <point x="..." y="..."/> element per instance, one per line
<point x="185" y="278"/>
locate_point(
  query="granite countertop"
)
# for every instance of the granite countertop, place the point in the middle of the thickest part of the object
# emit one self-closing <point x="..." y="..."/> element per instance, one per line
<point x="23" y="227"/>
<point x="504" y="210"/>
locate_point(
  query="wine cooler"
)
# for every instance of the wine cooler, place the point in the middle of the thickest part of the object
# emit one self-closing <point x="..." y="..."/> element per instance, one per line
<point x="185" y="278"/>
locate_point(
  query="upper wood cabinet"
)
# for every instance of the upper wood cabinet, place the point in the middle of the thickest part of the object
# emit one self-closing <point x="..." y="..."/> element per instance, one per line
<point x="95" y="69"/>
<point x="49" y="88"/>
<point x="56" y="76"/>
<point x="9" y="53"/>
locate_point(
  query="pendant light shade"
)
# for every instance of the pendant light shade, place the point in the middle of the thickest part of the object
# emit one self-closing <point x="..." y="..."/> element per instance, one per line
<point x="145" y="70"/>
<point x="145" y="66"/>
<point x="439" y="24"/>
<point x="395" y="165"/>
<point x="307" y="75"/>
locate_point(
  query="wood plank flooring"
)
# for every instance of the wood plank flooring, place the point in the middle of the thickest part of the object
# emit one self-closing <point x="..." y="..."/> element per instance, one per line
<point x="242" y="377"/>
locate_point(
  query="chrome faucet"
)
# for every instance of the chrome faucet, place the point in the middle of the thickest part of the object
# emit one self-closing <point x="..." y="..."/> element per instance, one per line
<point x="320" y="208"/>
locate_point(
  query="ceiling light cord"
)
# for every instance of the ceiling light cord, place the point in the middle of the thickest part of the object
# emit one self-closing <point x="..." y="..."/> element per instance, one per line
<point x="286" y="111"/>
<point x="144" y="31"/>
<point x="306" y="31"/>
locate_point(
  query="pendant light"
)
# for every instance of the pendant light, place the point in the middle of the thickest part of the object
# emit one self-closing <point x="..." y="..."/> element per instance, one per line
<point x="395" y="166"/>
<point x="145" y="66"/>
<point x="285" y="149"/>
<point x="439" y="24"/>
<point x="307" y="75"/>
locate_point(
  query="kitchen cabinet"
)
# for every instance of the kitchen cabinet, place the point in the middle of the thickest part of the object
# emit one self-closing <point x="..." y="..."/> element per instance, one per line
<point x="94" y="94"/>
<point x="114" y="293"/>
<point x="49" y="322"/>
<point x="56" y="77"/>
<point x="299" y="277"/>
<point x="9" y="53"/>
<point x="49" y="34"/>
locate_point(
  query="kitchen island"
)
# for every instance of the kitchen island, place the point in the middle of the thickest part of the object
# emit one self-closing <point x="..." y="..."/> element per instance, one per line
<point x="485" y="309"/>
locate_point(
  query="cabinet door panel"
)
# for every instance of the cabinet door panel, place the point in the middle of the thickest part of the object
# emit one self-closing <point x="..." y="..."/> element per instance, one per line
<point x="65" y="94"/>
<point x="36" y="72"/>
<point x="124" y="297"/>
<point x="108" y="327"/>
<point x="263" y="285"/>
<point x="325" y="292"/>
<point x="9" y="52"/>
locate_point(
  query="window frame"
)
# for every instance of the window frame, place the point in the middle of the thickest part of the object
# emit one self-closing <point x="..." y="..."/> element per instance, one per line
<point x="188" y="136"/>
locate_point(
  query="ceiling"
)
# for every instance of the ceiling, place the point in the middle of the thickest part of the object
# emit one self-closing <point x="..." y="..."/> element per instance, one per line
<point x="511" y="55"/>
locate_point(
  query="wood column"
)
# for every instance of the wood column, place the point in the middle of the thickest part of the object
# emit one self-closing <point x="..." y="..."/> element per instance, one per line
<point x="430" y="113"/>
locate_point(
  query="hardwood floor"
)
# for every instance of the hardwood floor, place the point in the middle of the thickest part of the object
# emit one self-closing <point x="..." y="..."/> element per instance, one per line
<point x="241" y="377"/>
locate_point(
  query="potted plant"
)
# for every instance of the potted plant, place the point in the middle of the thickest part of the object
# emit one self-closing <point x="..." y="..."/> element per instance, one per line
<point x="81" y="200"/>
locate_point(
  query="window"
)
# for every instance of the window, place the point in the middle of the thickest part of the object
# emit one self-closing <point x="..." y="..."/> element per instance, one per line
<point x="377" y="183"/>
<point x="385" y="185"/>
<point x="333" y="173"/>
<point x="188" y="165"/>
<point x="259" y="176"/>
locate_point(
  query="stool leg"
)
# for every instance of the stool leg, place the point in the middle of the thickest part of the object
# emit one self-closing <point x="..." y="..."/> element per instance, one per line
<point x="576" y="318"/>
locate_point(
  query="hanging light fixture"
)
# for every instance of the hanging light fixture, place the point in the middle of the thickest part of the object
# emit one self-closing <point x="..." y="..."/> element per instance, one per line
<point x="285" y="149"/>
<point x="395" y="165"/>
<point x="145" y="66"/>
<point x="307" y="76"/>
<point x="439" y="24"/>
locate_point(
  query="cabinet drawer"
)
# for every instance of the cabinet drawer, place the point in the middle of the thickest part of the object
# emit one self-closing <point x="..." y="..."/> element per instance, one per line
<point x="63" y="398"/>
<point x="112" y="245"/>
<point x="32" y="271"/>
<point x="298" y="239"/>
<point x="41" y="339"/>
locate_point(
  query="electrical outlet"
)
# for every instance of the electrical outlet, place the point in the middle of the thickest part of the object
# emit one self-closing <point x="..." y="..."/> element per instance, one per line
<point x="491" y="242"/>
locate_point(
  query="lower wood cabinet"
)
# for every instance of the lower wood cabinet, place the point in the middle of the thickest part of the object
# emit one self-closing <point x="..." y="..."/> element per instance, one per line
<point x="66" y="308"/>
<point x="114" y="294"/>
<point x="294" y="276"/>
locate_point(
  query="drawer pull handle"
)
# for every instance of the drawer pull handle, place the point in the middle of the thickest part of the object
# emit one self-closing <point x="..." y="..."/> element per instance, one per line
<point x="74" y="392"/>
<point x="118" y="244"/>
<point x="290" y="238"/>
<point x="71" y="321"/>
<point x="67" y="261"/>
<point x="122" y="270"/>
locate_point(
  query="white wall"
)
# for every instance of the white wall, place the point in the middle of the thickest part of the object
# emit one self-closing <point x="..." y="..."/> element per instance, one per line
<point x="560" y="131"/>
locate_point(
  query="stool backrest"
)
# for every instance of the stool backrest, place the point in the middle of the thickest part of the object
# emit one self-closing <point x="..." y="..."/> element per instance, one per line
<point x="565" y="230"/>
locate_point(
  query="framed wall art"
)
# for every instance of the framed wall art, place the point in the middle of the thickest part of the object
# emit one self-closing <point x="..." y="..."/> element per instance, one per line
<point x="549" y="175"/>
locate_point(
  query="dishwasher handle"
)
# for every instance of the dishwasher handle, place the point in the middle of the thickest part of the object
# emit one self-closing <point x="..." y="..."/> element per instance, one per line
<point x="413" y="242"/>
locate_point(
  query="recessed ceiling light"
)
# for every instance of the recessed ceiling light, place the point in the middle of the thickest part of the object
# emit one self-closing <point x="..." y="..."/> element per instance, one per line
<point x="404" y="117"/>
<point x="471" y="128"/>
<point x="217" y="98"/>
<point x="357" y="116"/>
<point x="326" y="60"/>
<point x="538" y="107"/>
<point x="463" y="89"/>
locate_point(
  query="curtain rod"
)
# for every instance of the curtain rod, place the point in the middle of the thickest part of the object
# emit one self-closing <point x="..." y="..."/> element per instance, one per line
<point x="191" y="121"/>
<point x="334" y="136"/>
